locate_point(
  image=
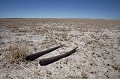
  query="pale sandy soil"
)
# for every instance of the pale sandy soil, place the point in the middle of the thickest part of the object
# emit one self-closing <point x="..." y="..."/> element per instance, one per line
<point x="97" y="56"/>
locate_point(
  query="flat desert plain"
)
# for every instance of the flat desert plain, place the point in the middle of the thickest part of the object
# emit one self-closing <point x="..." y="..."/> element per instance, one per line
<point x="97" y="55"/>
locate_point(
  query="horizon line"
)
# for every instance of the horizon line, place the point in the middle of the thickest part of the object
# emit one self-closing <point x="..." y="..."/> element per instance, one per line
<point x="55" y="18"/>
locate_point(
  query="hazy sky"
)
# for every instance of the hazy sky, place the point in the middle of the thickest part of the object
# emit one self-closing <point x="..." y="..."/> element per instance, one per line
<point x="103" y="9"/>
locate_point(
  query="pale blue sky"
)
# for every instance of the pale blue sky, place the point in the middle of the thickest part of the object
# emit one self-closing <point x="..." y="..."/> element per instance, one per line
<point x="100" y="9"/>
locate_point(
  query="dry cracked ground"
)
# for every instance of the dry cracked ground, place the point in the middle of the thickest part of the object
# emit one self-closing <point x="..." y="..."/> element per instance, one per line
<point x="97" y="56"/>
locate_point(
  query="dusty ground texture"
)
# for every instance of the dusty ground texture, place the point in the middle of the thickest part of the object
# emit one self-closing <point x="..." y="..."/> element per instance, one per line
<point x="97" y="56"/>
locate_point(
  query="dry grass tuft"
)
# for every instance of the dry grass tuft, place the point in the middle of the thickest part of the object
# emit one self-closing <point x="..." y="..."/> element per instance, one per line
<point x="118" y="41"/>
<point x="116" y="67"/>
<point x="61" y="37"/>
<point x="83" y="76"/>
<point x="17" y="52"/>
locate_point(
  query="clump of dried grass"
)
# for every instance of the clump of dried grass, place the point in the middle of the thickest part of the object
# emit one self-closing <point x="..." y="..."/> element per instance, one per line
<point x="116" y="67"/>
<point x="17" y="52"/>
<point x="118" y="41"/>
<point x="83" y="75"/>
<point x="61" y="37"/>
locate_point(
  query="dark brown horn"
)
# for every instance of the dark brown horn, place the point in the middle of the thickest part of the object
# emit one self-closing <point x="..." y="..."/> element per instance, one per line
<point x="37" y="55"/>
<point x="47" y="61"/>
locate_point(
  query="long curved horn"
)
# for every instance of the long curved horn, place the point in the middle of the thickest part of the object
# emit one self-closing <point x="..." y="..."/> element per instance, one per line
<point x="37" y="55"/>
<point x="47" y="61"/>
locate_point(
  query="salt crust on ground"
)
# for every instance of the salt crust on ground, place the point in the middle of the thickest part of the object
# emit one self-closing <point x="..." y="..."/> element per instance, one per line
<point x="97" y="51"/>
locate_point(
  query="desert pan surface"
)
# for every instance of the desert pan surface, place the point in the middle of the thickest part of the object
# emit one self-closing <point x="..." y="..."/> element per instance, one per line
<point x="97" y="55"/>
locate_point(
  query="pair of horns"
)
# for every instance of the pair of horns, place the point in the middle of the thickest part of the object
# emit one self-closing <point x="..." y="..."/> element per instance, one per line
<point x="47" y="61"/>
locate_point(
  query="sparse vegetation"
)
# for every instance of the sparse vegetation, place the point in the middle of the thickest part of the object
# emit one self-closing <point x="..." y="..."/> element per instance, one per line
<point x="61" y="37"/>
<point x="98" y="43"/>
<point x="83" y="75"/>
<point x="118" y="41"/>
<point x="116" y="67"/>
<point x="83" y="23"/>
<point x="17" y="52"/>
